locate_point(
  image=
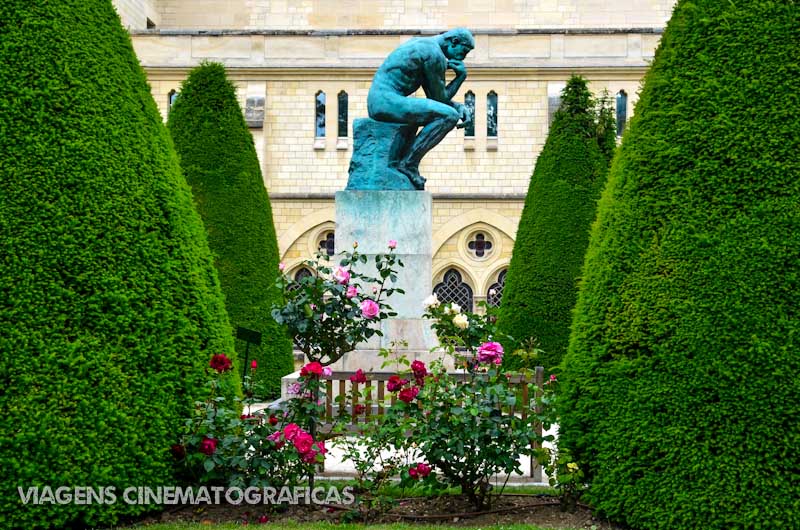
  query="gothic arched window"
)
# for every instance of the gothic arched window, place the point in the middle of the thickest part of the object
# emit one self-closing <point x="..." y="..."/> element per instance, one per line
<point x="469" y="102"/>
<point x="342" y="114"/>
<point x="302" y="272"/>
<point x="319" y="116"/>
<point x="622" y="111"/>
<point x="495" y="293"/>
<point x="491" y="114"/>
<point x="454" y="290"/>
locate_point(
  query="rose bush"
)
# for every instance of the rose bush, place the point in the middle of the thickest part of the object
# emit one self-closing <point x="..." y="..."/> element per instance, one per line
<point x="221" y="445"/>
<point x="328" y="312"/>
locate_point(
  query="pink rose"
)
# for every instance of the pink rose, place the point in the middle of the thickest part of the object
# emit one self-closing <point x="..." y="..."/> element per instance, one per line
<point x="303" y="442"/>
<point x="327" y="371"/>
<point x="281" y="266"/>
<point x="408" y="394"/>
<point x="392" y="244"/>
<point x="351" y="291"/>
<point x="412" y="472"/>
<point x="423" y="470"/>
<point x="277" y="438"/>
<point x="253" y="365"/>
<point x="490" y="352"/>
<point x="341" y="275"/>
<point x="359" y="377"/>
<point x="208" y="446"/>
<point x="369" y="309"/>
<point x="291" y="430"/>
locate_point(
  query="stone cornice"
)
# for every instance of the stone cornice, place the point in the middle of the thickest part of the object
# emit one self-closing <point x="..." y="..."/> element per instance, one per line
<point x="390" y="32"/>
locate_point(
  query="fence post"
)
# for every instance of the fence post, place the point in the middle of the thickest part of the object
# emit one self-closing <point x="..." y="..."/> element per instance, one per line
<point x="536" y="466"/>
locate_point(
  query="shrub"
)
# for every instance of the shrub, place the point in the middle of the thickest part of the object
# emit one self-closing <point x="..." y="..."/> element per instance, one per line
<point x="220" y="164"/>
<point x="680" y="386"/>
<point x="110" y="306"/>
<point x="541" y="286"/>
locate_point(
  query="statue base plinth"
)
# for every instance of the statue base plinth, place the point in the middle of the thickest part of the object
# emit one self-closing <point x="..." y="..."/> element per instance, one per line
<point x="377" y="148"/>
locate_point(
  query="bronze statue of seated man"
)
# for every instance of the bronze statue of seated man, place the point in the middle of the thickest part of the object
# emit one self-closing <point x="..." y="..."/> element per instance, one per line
<point x="422" y="63"/>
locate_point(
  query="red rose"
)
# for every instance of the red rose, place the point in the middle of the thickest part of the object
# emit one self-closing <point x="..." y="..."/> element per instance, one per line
<point x="273" y="420"/>
<point x="412" y="472"/>
<point x="359" y="409"/>
<point x="221" y="363"/>
<point x="408" y="394"/>
<point x="263" y="519"/>
<point x="395" y="383"/>
<point x="311" y="369"/>
<point x="359" y="377"/>
<point x="208" y="446"/>
<point x="418" y="367"/>
<point x="254" y="365"/>
<point x="178" y="451"/>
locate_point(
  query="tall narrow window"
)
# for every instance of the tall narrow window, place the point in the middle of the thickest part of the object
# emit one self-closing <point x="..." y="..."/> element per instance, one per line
<point x="622" y="111"/>
<point x="469" y="102"/>
<point x="452" y="289"/>
<point x="171" y="97"/>
<point x="491" y="114"/>
<point x="319" y="114"/>
<point x="495" y="294"/>
<point x="554" y="89"/>
<point x="342" y="114"/>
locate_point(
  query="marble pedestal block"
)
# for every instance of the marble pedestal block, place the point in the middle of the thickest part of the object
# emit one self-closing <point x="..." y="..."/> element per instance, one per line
<point x="372" y="218"/>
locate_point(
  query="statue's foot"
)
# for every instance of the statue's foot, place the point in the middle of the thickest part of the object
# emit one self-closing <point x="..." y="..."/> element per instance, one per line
<point x="417" y="180"/>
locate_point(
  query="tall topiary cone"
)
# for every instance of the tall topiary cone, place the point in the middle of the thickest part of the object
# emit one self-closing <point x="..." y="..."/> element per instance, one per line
<point x="220" y="163"/>
<point x="681" y="390"/>
<point x="110" y="306"/>
<point x="541" y="286"/>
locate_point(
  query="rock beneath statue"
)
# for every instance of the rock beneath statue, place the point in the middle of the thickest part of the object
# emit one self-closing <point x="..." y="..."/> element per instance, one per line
<point x="377" y="149"/>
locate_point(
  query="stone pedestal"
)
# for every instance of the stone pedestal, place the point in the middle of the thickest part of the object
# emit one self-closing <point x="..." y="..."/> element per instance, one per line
<point x="372" y="218"/>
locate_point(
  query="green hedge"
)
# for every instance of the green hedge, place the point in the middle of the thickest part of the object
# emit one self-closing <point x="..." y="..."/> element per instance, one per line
<point x="541" y="285"/>
<point x="110" y="306"/>
<point x="681" y="388"/>
<point x="220" y="164"/>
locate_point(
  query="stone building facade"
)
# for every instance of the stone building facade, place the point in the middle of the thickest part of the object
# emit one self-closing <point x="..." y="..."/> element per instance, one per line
<point x="285" y="56"/>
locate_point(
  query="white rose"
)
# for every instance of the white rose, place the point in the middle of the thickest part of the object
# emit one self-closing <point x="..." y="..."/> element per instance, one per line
<point x="455" y="309"/>
<point x="431" y="301"/>
<point x="461" y="321"/>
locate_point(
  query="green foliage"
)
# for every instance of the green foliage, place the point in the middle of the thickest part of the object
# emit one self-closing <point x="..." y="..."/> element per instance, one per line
<point x="110" y="305"/>
<point x="219" y="162"/>
<point x="541" y="285"/>
<point x="681" y="389"/>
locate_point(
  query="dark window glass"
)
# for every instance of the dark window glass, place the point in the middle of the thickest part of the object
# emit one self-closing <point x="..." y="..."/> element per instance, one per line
<point x="320" y="114"/>
<point x="342" y="114"/>
<point x="491" y="114"/>
<point x="469" y="102"/>
<point x="622" y="111"/>
<point x="327" y="245"/>
<point x="171" y="97"/>
<point x="454" y="290"/>
<point x="495" y="293"/>
<point x="553" y="102"/>
<point x="480" y="246"/>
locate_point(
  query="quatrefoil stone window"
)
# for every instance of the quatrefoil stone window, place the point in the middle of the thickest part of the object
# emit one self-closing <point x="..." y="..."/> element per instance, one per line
<point x="480" y="246"/>
<point x="327" y="245"/>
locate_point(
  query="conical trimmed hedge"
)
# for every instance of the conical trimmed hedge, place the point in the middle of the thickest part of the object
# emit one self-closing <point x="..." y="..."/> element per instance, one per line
<point x="220" y="164"/>
<point x="541" y="286"/>
<point x="681" y="390"/>
<point x="110" y="306"/>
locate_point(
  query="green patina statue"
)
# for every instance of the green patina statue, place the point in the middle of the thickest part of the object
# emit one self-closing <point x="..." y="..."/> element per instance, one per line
<point x="386" y="155"/>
